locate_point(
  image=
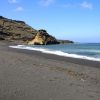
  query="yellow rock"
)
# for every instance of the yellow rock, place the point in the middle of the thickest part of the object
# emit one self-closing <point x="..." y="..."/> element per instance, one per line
<point x="43" y="38"/>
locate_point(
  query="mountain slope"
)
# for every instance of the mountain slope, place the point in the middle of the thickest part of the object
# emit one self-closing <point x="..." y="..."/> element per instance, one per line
<point x="19" y="31"/>
<point x="15" y="30"/>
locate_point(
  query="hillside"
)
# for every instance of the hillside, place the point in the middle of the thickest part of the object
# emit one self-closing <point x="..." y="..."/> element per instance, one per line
<point x="15" y="30"/>
<point x="19" y="31"/>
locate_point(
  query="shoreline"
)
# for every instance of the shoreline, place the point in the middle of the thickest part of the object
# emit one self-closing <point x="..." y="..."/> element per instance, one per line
<point x="56" y="52"/>
<point x="81" y="61"/>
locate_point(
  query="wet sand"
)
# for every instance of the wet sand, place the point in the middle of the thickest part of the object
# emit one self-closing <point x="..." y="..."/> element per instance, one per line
<point x="31" y="75"/>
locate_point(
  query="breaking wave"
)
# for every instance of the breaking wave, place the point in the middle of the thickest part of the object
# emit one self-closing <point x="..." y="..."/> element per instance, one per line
<point x="55" y="52"/>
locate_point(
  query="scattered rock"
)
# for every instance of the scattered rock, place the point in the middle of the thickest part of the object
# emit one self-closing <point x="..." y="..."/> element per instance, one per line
<point x="1" y="38"/>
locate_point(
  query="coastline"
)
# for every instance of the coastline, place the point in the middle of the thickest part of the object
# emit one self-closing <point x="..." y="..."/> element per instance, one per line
<point x="81" y="61"/>
<point x="27" y="75"/>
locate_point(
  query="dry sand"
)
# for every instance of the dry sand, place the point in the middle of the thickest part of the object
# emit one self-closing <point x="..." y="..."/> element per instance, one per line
<point x="29" y="75"/>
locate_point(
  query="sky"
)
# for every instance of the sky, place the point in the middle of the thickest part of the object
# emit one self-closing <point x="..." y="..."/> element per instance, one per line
<point x="76" y="20"/>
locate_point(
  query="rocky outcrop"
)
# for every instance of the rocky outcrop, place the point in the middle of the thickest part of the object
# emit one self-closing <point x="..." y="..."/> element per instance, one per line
<point x="65" y="41"/>
<point x="19" y="31"/>
<point x="43" y="38"/>
<point x="15" y="30"/>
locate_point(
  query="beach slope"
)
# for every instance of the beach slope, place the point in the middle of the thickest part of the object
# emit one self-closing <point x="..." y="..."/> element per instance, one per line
<point x="31" y="75"/>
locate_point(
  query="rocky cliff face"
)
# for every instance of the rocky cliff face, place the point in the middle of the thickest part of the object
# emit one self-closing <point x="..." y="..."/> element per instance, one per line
<point x="19" y="31"/>
<point x="43" y="38"/>
<point x="15" y="30"/>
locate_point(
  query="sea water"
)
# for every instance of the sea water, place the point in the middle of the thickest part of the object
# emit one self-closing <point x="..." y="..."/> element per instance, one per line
<point x="89" y="51"/>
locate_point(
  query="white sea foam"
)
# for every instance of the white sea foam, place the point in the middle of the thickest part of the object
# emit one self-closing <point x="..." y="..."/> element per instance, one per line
<point x="55" y="52"/>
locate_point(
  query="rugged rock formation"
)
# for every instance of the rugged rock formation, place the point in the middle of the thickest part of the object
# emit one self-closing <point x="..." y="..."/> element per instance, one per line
<point x="15" y="30"/>
<point x="43" y="38"/>
<point x="19" y="31"/>
<point x="65" y="41"/>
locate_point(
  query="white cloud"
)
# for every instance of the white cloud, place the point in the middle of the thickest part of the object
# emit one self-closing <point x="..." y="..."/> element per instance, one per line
<point x="84" y="4"/>
<point x="87" y="5"/>
<point x="12" y="1"/>
<point x="19" y="9"/>
<point x="46" y="2"/>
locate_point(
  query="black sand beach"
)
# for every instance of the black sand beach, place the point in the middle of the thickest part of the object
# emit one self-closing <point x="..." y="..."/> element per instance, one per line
<point x="31" y="75"/>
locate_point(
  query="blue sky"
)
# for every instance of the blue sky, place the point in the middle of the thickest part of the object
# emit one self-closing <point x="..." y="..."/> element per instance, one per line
<point x="77" y="20"/>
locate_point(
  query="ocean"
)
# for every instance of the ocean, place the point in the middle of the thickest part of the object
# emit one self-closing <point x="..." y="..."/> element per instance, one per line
<point x="89" y="51"/>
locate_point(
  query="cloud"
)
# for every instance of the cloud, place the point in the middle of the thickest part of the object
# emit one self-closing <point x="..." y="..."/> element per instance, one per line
<point x="86" y="5"/>
<point x="46" y="2"/>
<point x="19" y="9"/>
<point x="12" y="1"/>
<point x="69" y="5"/>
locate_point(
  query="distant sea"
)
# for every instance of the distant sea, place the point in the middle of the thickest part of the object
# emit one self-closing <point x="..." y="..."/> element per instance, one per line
<point x="89" y="51"/>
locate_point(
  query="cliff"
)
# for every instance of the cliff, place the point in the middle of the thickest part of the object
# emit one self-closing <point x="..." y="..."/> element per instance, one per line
<point x="19" y="31"/>
<point x="12" y="30"/>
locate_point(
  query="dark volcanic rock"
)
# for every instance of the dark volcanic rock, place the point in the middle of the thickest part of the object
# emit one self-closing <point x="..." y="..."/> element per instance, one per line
<point x="65" y="41"/>
<point x="15" y="30"/>
<point x="43" y="38"/>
